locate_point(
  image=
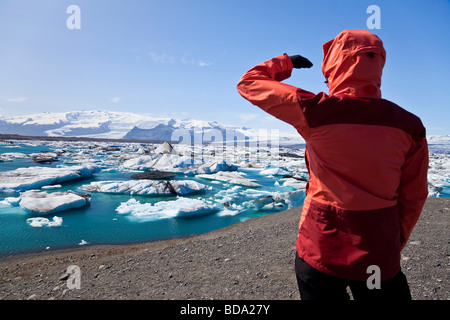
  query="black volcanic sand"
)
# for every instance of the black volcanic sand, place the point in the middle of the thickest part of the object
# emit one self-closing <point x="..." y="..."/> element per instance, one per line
<point x="249" y="260"/>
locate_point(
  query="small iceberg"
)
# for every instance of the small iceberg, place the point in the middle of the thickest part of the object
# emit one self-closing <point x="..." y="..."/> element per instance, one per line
<point x="40" y="222"/>
<point x="182" y="207"/>
<point x="230" y="177"/>
<point x="23" y="179"/>
<point x="276" y="171"/>
<point x="46" y="203"/>
<point x="289" y="199"/>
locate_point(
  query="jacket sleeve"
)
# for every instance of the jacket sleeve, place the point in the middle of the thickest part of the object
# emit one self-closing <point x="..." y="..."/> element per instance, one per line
<point x="413" y="189"/>
<point x="262" y="86"/>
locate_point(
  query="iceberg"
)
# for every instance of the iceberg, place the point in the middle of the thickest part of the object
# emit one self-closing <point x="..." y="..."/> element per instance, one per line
<point x="11" y="201"/>
<point x="215" y="167"/>
<point x="23" y="179"/>
<point x="290" y="199"/>
<point x="230" y="177"/>
<point x="181" y="207"/>
<point x="294" y="183"/>
<point x="146" y="187"/>
<point x="165" y="148"/>
<point x="274" y="172"/>
<point x="44" y="222"/>
<point x="46" y="203"/>
<point x="138" y="163"/>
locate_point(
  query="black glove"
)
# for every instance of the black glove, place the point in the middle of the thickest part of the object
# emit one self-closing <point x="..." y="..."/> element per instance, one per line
<point x="300" y="62"/>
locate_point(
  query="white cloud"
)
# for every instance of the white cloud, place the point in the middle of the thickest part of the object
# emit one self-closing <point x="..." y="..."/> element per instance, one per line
<point x="245" y="117"/>
<point x="18" y="99"/>
<point x="115" y="99"/>
<point x="161" y="58"/>
<point x="201" y="63"/>
<point x="168" y="59"/>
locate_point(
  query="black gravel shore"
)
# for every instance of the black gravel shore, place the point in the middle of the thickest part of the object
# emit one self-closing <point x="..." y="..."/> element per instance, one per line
<point x="253" y="260"/>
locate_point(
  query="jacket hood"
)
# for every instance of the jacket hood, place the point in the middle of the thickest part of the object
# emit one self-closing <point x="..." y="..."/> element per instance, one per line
<point x="353" y="64"/>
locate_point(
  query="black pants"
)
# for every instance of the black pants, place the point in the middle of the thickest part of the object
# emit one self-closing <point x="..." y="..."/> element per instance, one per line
<point x="315" y="285"/>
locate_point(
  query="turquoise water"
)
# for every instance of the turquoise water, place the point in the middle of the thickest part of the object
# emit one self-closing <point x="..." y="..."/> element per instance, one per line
<point x="99" y="223"/>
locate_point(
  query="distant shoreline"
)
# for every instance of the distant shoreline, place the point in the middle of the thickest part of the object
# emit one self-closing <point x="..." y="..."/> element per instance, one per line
<point x="6" y="137"/>
<point x="87" y="139"/>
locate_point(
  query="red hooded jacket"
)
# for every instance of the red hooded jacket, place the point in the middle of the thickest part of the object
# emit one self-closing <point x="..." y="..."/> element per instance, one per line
<point x="367" y="158"/>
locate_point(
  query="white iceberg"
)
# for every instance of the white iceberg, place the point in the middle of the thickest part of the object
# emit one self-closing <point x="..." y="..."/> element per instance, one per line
<point x="46" y="203"/>
<point x="36" y="177"/>
<point x="292" y="198"/>
<point x="215" y="167"/>
<point x="40" y="222"/>
<point x="146" y="187"/>
<point x="274" y="171"/>
<point x="294" y="183"/>
<point x="11" y="201"/>
<point x="138" y="163"/>
<point x="165" y="148"/>
<point x="181" y="207"/>
<point x="230" y="177"/>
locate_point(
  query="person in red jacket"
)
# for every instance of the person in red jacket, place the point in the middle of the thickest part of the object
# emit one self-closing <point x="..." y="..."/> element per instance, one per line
<point x="367" y="160"/>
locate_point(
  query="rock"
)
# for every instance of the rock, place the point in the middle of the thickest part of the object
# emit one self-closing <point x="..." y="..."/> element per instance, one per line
<point x="154" y="175"/>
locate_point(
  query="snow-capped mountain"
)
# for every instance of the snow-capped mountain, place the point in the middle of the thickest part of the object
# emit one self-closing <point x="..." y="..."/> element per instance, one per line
<point x="118" y="125"/>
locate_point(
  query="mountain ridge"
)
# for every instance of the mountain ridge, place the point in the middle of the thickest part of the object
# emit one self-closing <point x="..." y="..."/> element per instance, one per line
<point x="130" y="126"/>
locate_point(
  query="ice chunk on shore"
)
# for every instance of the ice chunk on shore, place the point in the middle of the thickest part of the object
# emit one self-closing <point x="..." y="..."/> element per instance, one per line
<point x="46" y="203"/>
<point x="230" y="177"/>
<point x="36" y="177"/>
<point x="182" y="207"/>
<point x="146" y="187"/>
<point x="40" y="222"/>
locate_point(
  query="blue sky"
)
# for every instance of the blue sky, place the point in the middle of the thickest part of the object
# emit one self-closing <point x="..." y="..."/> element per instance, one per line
<point x="183" y="58"/>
